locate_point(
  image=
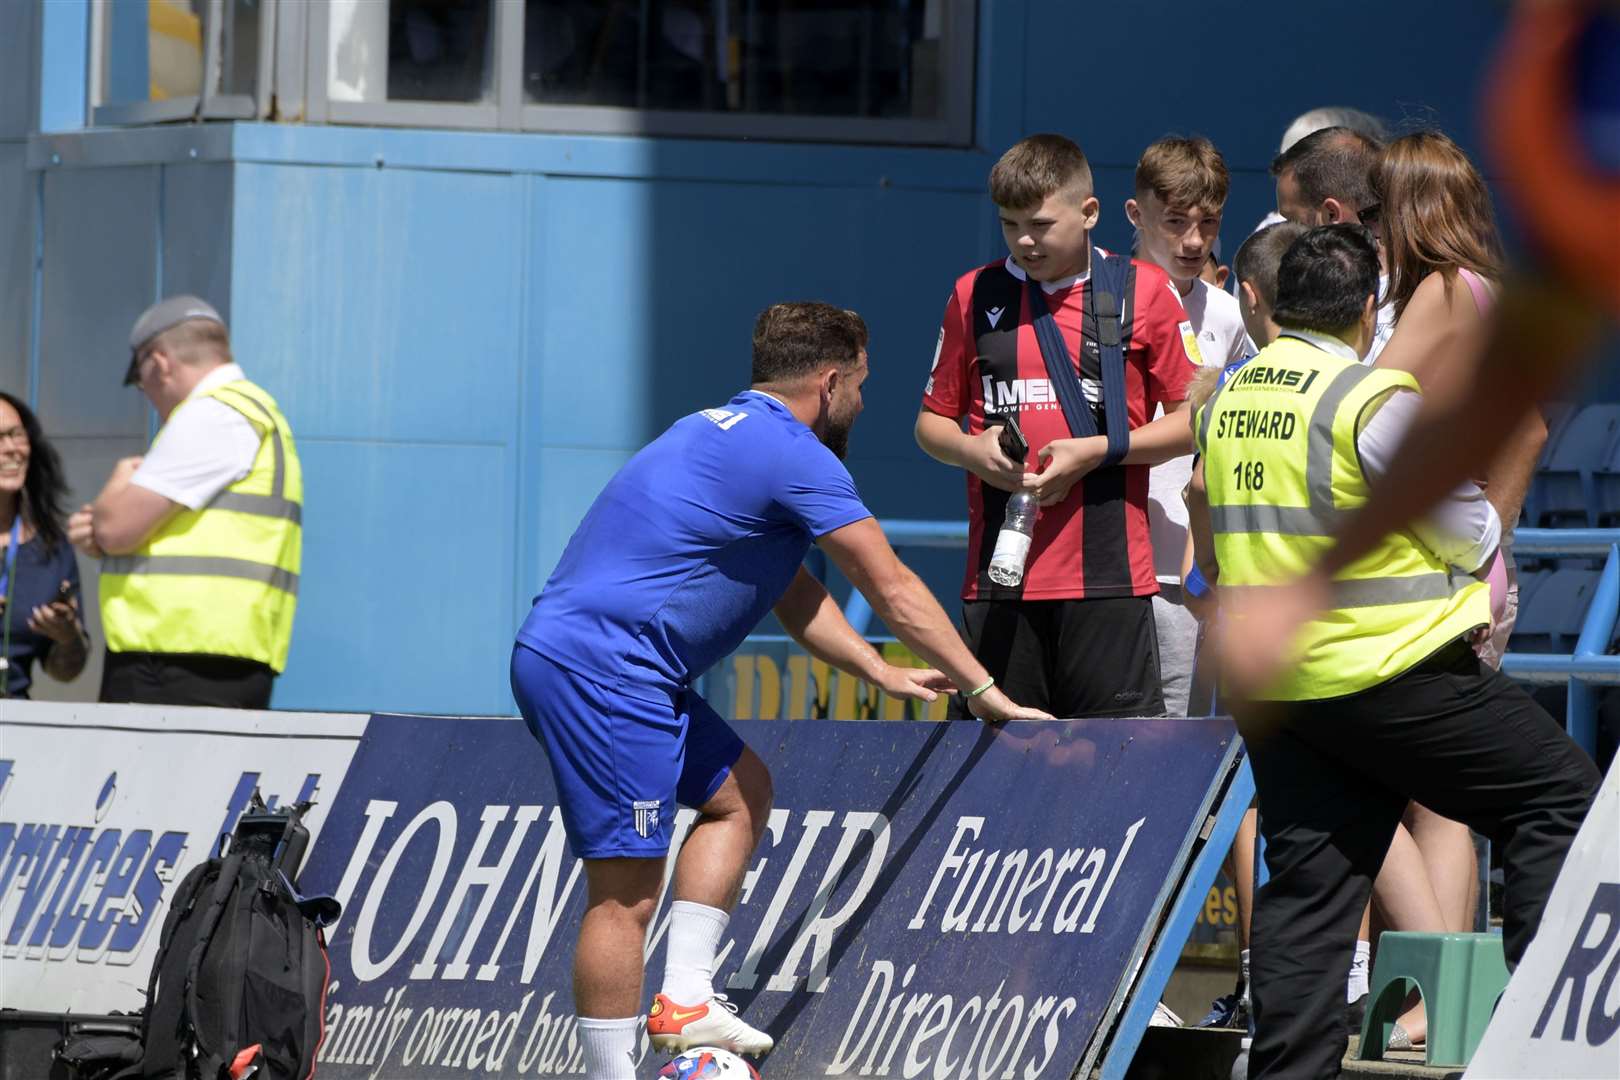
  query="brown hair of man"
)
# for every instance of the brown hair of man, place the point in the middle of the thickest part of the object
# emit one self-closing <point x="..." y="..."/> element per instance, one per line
<point x="1333" y="163"/>
<point x="796" y="339"/>
<point x="1039" y="166"/>
<point x="1435" y="214"/>
<point x="1184" y="172"/>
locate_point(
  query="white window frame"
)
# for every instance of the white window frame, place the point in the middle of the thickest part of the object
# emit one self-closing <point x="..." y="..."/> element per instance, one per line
<point x="294" y="76"/>
<point x="509" y="112"/>
<point x="210" y="104"/>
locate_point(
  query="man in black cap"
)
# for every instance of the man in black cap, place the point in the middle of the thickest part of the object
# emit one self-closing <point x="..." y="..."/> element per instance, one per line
<point x="200" y="538"/>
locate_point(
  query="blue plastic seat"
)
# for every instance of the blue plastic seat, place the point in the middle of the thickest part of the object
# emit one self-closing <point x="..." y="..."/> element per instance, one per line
<point x="1529" y="582"/>
<point x="1566" y="492"/>
<point x="1550" y="618"/>
<point x="1606" y="482"/>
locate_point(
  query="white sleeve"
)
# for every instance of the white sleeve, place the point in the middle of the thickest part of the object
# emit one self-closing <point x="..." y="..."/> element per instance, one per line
<point x="204" y="448"/>
<point x="1463" y="528"/>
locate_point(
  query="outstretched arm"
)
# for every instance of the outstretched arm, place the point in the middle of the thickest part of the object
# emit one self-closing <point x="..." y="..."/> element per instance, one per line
<point x="813" y="619"/>
<point x="903" y="602"/>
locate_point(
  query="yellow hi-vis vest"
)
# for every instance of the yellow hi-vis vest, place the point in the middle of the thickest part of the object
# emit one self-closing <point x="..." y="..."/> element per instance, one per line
<point x="222" y="580"/>
<point x="1282" y="471"/>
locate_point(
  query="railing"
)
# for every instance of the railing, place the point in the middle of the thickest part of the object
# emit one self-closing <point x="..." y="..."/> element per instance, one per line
<point x="1584" y="669"/>
<point x="1587" y="667"/>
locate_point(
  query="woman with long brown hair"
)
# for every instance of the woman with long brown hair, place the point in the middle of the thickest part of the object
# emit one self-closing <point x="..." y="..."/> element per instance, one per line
<point x="1438" y="230"/>
<point x="39" y="580"/>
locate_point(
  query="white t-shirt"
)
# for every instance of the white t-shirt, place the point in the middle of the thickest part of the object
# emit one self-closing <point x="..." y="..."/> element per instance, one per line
<point x="205" y="447"/>
<point x="1218" y="324"/>
<point x="1384" y="328"/>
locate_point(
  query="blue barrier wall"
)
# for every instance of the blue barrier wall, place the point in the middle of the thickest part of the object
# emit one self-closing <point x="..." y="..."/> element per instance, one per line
<point x="470" y="332"/>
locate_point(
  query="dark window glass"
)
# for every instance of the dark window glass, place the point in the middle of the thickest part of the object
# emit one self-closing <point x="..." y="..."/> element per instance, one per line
<point x="439" y="50"/>
<point x="879" y="58"/>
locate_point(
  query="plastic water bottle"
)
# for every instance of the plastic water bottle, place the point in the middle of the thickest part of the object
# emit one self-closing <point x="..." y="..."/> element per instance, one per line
<point x="1012" y="543"/>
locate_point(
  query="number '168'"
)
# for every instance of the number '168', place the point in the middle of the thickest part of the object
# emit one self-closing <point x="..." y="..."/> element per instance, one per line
<point x="1249" y="475"/>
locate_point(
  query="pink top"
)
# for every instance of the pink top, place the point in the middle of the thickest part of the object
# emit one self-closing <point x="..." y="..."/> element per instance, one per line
<point x="1484" y="294"/>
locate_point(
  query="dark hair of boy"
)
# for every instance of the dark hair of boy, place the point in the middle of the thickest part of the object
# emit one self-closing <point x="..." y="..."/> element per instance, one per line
<point x="1326" y="278"/>
<point x="1259" y="257"/>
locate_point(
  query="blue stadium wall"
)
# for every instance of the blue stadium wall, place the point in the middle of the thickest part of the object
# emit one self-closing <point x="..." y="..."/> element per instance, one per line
<point x="471" y="332"/>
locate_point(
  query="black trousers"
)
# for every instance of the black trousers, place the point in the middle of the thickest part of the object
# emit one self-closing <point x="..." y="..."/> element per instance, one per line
<point x="1070" y="657"/>
<point x="186" y="679"/>
<point x="1333" y="778"/>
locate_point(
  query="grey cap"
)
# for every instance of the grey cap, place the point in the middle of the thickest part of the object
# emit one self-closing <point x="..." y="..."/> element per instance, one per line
<point x="165" y="315"/>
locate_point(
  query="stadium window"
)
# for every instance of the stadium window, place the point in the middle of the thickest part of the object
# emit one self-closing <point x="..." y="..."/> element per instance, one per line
<point x="179" y="59"/>
<point x="878" y="70"/>
<point x="891" y="71"/>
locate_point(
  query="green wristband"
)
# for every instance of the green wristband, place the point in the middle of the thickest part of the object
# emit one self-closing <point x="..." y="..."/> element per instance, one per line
<point x="988" y="683"/>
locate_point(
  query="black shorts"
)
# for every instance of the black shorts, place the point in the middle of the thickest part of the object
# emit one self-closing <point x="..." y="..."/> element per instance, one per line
<point x="1071" y="658"/>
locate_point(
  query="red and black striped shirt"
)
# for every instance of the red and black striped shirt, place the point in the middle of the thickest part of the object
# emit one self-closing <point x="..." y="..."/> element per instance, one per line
<point x="1095" y="543"/>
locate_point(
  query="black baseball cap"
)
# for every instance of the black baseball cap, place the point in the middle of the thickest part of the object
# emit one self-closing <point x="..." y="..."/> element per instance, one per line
<point x="164" y="315"/>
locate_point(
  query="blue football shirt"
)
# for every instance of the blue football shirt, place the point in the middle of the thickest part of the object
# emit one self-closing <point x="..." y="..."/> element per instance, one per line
<point x="689" y="545"/>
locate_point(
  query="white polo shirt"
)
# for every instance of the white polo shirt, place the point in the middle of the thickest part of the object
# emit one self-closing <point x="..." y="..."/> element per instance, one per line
<point x="205" y="447"/>
<point x="1218" y="324"/>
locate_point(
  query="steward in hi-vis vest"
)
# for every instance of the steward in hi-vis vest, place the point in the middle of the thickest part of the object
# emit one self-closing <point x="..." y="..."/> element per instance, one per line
<point x="1281" y="468"/>
<point x="222" y="579"/>
<point x="199" y="538"/>
<point x="1385" y="701"/>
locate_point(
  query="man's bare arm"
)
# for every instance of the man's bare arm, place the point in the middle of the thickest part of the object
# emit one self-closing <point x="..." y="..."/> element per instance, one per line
<point x="903" y="602"/>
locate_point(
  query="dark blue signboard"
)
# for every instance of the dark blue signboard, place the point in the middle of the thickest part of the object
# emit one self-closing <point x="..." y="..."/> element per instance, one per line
<point x="942" y="899"/>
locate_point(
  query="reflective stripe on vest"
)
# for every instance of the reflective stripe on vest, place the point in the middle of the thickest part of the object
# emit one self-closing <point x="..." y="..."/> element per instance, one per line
<point x="1378" y="592"/>
<point x="1321" y="517"/>
<point x="222" y="579"/>
<point x="202" y="566"/>
<point x="1282" y="474"/>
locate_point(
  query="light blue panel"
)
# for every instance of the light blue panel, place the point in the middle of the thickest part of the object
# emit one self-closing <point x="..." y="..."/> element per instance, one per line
<point x="65" y="64"/>
<point x="16" y="266"/>
<point x="1239" y="72"/>
<point x="592" y="261"/>
<point x="100" y="273"/>
<point x="405" y="601"/>
<point x="650" y="291"/>
<point x="569" y="481"/>
<point x="624" y="157"/>
<point x="381" y="304"/>
<point x="19" y="36"/>
<point x="197" y="233"/>
<point x="128" y="75"/>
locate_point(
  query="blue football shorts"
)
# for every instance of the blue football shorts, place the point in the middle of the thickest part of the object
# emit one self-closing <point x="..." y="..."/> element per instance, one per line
<point x="621" y="761"/>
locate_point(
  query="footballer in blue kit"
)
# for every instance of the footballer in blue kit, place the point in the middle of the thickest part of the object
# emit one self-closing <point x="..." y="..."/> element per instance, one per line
<point x="685" y="550"/>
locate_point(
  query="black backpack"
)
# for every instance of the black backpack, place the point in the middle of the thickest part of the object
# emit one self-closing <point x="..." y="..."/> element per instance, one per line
<point x="238" y="987"/>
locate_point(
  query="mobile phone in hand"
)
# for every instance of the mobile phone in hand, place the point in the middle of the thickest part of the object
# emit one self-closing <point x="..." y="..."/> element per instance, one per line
<point x="65" y="592"/>
<point x="1013" y="442"/>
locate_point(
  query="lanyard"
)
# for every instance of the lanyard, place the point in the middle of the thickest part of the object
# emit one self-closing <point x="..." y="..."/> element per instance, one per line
<point x="11" y="560"/>
<point x="5" y="591"/>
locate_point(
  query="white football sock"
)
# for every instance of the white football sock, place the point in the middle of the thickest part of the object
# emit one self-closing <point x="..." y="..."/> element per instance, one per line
<point x="694" y="937"/>
<point x="610" y="1047"/>
<point x="1358" y="984"/>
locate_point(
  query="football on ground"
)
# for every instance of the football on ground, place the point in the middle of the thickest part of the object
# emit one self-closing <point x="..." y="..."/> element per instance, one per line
<point x="708" y="1063"/>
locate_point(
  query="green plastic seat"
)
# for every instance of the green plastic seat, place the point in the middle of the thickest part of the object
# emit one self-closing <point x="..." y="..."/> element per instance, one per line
<point x="1459" y="976"/>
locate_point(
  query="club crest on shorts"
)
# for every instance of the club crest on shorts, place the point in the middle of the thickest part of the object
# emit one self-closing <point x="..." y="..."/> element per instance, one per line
<point x="646" y="816"/>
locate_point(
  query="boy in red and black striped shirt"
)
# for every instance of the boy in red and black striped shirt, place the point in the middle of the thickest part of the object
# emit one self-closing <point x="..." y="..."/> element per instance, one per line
<point x="1076" y="638"/>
